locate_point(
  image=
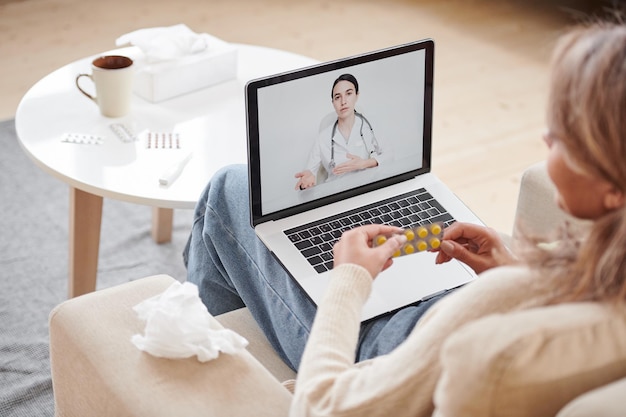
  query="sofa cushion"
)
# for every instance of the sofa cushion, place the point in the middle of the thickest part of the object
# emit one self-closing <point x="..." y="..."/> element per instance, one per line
<point x="532" y="362"/>
<point x="242" y="322"/>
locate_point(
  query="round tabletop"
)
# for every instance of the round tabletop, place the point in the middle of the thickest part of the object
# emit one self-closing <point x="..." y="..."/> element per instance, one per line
<point x="64" y="133"/>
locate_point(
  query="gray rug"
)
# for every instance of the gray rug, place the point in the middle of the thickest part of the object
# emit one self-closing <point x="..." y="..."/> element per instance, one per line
<point x="34" y="268"/>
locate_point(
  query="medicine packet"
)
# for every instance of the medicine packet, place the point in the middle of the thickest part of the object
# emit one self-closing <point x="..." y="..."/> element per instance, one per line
<point x="418" y="239"/>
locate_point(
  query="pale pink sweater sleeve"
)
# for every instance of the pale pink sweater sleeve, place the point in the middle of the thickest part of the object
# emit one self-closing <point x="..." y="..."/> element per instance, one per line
<point x="403" y="382"/>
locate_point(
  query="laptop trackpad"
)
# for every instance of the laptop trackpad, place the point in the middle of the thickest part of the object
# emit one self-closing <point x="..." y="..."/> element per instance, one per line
<point x="412" y="278"/>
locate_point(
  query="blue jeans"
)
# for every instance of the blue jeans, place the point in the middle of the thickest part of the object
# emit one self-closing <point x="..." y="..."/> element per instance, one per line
<point x="232" y="269"/>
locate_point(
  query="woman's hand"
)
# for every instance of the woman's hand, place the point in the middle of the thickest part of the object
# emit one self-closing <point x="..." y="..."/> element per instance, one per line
<point x="355" y="247"/>
<point x="354" y="163"/>
<point x="306" y="179"/>
<point x="479" y="247"/>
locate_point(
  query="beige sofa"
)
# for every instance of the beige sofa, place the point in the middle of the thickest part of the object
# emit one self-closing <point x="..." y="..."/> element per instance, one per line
<point x="97" y="371"/>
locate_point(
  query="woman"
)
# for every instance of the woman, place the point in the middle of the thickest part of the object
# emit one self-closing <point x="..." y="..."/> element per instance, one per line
<point x="587" y="150"/>
<point x="348" y="144"/>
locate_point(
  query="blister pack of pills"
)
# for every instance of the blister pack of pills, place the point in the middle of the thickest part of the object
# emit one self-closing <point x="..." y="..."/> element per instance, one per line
<point x="162" y="140"/>
<point x="418" y="239"/>
<point x="82" y="139"/>
<point x="123" y="132"/>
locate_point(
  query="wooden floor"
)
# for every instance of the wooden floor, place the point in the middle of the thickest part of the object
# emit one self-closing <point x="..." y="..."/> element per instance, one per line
<point x="490" y="71"/>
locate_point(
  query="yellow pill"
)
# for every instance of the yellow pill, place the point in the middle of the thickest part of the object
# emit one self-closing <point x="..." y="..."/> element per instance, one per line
<point x="408" y="249"/>
<point x="396" y="254"/>
<point x="422" y="232"/>
<point x="422" y="246"/>
<point x="435" y="243"/>
<point x="410" y="235"/>
<point x="380" y="240"/>
<point x="435" y="229"/>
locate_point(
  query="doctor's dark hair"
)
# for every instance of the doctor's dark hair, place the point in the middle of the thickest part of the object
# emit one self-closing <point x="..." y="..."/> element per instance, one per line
<point x="346" y="77"/>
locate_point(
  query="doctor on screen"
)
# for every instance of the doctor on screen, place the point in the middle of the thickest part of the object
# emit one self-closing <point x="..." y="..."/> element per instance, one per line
<point x="347" y="144"/>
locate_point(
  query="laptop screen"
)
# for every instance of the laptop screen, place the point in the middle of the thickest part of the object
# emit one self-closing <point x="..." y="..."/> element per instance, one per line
<point x="334" y="130"/>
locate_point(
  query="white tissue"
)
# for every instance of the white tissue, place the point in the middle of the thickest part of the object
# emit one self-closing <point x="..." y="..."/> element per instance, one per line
<point x="178" y="326"/>
<point x="166" y="43"/>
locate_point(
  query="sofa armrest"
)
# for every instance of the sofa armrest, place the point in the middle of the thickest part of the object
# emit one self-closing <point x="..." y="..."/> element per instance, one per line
<point x="537" y="214"/>
<point x="96" y="370"/>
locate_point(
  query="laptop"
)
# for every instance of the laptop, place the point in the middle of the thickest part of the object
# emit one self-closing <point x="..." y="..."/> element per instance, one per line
<point x="291" y="121"/>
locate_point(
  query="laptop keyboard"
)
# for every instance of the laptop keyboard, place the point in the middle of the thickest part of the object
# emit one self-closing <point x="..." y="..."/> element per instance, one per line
<point x="315" y="240"/>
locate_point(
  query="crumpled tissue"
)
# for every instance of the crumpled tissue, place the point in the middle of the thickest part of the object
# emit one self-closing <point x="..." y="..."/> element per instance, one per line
<point x="167" y="43"/>
<point x="179" y="326"/>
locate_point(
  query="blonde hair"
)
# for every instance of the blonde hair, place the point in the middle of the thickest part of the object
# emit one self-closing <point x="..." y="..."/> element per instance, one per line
<point x="587" y="112"/>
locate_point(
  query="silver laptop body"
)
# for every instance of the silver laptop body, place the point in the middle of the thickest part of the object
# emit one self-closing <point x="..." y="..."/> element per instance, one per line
<point x="291" y="119"/>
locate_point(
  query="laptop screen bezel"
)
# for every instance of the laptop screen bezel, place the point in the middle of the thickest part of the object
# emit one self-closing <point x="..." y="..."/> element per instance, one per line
<point x="252" y="128"/>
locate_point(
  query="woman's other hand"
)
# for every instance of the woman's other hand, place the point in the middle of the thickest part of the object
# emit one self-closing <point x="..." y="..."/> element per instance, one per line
<point x="479" y="247"/>
<point x="355" y="247"/>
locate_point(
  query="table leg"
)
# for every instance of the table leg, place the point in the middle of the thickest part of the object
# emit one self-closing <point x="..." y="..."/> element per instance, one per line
<point x="162" y="221"/>
<point x="85" y="221"/>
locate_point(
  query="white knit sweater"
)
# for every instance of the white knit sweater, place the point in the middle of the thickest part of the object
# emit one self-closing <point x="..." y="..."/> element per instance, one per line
<point x="401" y="383"/>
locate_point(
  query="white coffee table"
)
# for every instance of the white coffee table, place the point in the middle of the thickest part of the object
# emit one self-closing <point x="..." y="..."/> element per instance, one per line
<point x="210" y="123"/>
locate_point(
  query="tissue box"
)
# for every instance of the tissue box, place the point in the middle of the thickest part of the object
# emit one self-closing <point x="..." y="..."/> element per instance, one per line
<point x="163" y="80"/>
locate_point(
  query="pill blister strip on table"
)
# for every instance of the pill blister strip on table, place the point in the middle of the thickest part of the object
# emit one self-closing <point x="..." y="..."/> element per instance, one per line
<point x="82" y="139"/>
<point x="161" y="140"/>
<point x="123" y="132"/>
<point x="418" y="239"/>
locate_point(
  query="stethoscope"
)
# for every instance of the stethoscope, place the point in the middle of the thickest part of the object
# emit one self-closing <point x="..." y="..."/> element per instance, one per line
<point x="364" y="120"/>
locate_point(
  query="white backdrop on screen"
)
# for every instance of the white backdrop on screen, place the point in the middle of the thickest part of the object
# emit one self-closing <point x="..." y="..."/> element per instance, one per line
<point x="391" y="94"/>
